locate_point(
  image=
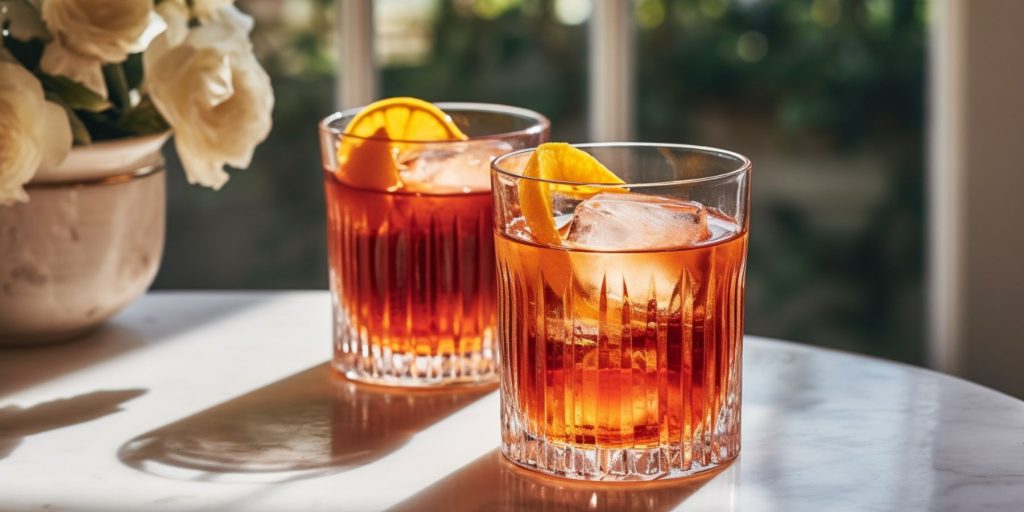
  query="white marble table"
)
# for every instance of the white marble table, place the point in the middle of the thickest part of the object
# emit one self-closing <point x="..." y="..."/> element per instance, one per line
<point x="223" y="401"/>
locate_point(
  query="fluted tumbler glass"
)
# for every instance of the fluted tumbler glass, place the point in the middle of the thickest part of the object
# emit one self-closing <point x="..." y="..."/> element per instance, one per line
<point x="412" y="268"/>
<point x="620" y="348"/>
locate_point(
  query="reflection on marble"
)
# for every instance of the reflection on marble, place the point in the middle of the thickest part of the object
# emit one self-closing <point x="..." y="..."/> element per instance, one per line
<point x="493" y="483"/>
<point x="309" y="424"/>
<point x="822" y="430"/>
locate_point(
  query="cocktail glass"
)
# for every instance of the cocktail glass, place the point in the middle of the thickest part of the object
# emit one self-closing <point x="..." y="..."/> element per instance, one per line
<point x="412" y="265"/>
<point x="620" y="343"/>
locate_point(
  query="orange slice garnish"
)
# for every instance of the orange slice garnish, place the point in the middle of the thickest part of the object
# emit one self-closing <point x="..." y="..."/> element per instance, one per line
<point x="558" y="161"/>
<point x="366" y="158"/>
<point x="405" y="119"/>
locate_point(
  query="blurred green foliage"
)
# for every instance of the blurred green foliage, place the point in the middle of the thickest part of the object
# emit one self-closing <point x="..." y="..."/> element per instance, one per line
<point x="845" y="77"/>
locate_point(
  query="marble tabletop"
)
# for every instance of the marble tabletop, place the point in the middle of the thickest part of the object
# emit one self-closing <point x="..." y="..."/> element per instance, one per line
<point x="224" y="401"/>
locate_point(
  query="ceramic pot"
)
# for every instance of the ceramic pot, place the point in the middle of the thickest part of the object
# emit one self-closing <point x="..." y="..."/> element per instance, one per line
<point x="86" y="244"/>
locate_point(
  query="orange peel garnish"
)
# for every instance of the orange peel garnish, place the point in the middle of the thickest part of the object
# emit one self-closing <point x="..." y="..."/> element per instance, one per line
<point x="558" y="161"/>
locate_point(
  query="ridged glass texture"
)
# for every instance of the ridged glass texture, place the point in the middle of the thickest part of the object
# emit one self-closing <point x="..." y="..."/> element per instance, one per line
<point x="620" y="337"/>
<point x="621" y="365"/>
<point x="413" y="287"/>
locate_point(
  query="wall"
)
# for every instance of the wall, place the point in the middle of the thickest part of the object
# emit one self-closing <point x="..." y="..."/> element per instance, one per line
<point x="980" y="108"/>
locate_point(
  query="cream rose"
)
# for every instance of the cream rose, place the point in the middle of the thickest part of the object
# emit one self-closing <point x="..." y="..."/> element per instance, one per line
<point x="33" y="131"/>
<point x="209" y="87"/>
<point x="90" y="33"/>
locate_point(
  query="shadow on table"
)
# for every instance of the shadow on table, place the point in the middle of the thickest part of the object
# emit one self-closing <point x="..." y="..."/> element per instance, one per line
<point x="23" y="367"/>
<point x="493" y="483"/>
<point x="16" y="423"/>
<point x="312" y="423"/>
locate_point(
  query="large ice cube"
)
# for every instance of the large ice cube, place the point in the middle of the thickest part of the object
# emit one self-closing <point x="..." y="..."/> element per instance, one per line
<point x="451" y="167"/>
<point x="614" y="221"/>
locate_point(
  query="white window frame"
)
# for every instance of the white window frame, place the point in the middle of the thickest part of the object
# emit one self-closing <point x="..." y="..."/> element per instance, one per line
<point x="944" y="187"/>
<point x="357" y="82"/>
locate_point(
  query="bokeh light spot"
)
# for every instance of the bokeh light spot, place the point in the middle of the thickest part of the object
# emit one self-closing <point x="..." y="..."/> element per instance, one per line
<point x="826" y="13"/>
<point x="649" y="13"/>
<point x="572" y="12"/>
<point x="879" y="15"/>
<point x="492" y="9"/>
<point x="752" y="46"/>
<point x="713" y="8"/>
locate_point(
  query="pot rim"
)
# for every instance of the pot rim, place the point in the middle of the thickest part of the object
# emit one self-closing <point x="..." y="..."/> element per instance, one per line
<point x="145" y="171"/>
<point x="110" y="159"/>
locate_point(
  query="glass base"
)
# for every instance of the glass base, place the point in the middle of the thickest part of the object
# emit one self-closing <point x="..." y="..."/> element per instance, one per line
<point x="611" y="464"/>
<point x="407" y="370"/>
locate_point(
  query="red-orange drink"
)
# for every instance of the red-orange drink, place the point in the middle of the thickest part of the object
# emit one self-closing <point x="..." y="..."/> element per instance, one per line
<point x="410" y="241"/>
<point x="621" y="339"/>
<point x="656" y="348"/>
<point x="413" y="276"/>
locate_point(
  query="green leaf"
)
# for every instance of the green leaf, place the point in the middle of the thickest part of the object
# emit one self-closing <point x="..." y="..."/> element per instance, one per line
<point x="143" y="119"/>
<point x="79" y="132"/>
<point x="117" y="85"/>
<point x="76" y="95"/>
<point x="103" y="126"/>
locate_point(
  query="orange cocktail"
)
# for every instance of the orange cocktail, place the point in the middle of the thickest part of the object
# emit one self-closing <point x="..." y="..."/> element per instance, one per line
<point x="620" y="308"/>
<point x="410" y="244"/>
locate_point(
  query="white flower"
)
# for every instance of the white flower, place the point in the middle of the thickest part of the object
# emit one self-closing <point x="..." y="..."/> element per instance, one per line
<point x="33" y="131"/>
<point x="90" y="33"/>
<point x="209" y="87"/>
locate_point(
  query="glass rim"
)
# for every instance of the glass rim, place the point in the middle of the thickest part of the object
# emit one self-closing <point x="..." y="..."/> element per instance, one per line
<point x="744" y="167"/>
<point x="540" y="121"/>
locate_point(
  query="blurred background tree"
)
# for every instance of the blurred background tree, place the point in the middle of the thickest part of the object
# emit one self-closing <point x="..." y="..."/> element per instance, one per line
<point x="825" y="96"/>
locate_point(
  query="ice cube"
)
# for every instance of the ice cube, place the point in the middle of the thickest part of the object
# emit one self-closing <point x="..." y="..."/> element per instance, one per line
<point x="615" y="221"/>
<point x="456" y="167"/>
